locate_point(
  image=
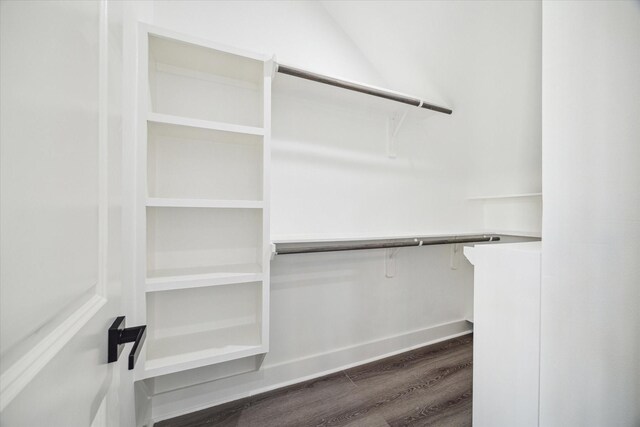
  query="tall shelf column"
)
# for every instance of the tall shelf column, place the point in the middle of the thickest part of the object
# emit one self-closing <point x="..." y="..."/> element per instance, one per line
<point x="202" y="224"/>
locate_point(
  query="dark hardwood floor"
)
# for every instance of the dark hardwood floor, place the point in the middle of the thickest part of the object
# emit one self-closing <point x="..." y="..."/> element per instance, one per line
<point x="430" y="386"/>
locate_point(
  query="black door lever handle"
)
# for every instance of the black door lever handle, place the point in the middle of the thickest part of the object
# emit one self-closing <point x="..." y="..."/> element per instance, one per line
<point x="119" y="336"/>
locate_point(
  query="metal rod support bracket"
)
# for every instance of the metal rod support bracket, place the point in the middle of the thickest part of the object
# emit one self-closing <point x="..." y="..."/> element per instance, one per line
<point x="393" y="126"/>
<point x="390" y="262"/>
<point x="455" y="256"/>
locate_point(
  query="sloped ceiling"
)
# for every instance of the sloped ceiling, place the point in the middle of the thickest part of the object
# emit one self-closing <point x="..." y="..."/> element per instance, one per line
<point x="481" y="58"/>
<point x="439" y="48"/>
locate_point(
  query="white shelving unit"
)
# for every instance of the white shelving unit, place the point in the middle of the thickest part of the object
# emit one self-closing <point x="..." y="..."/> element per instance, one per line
<point x="203" y="195"/>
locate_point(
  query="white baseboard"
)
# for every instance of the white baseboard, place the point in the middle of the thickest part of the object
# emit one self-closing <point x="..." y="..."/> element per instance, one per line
<point x="194" y="398"/>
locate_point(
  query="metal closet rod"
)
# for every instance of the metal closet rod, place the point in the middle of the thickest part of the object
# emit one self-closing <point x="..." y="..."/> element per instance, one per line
<point x="385" y="244"/>
<point x="381" y="93"/>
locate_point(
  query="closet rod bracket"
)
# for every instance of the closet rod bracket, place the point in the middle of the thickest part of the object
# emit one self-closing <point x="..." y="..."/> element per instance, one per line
<point x="393" y="126"/>
<point x="454" y="261"/>
<point x="390" y="262"/>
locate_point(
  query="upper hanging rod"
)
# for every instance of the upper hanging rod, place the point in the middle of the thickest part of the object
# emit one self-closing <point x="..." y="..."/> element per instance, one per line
<point x="298" y="248"/>
<point x="303" y="74"/>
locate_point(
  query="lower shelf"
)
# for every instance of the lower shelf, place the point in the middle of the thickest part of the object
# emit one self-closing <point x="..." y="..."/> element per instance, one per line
<point x="201" y="349"/>
<point x="193" y="327"/>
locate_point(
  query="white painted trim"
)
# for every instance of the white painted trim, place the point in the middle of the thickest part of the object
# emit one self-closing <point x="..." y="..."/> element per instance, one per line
<point x="268" y="70"/>
<point x="139" y="179"/>
<point x="16" y="377"/>
<point x="103" y="151"/>
<point x="271" y="377"/>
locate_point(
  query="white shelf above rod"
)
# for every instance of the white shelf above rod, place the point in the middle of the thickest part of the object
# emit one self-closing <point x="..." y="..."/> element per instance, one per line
<point x="358" y="87"/>
<point x="505" y="196"/>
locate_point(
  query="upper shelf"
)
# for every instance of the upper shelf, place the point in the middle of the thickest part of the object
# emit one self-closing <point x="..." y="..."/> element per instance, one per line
<point x="203" y="124"/>
<point x="184" y="78"/>
<point x="209" y="60"/>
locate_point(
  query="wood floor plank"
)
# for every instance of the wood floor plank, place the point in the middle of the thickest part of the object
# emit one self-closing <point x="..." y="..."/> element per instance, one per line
<point x="413" y="403"/>
<point x="369" y="421"/>
<point x="416" y="359"/>
<point x="445" y="403"/>
<point x="408" y="367"/>
<point x="290" y="406"/>
<point x="430" y="386"/>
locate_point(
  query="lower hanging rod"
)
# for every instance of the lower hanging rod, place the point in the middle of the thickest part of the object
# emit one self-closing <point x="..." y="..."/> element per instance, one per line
<point x="356" y="87"/>
<point x="282" y="249"/>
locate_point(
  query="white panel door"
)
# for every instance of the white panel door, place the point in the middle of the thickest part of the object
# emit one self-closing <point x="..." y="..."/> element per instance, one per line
<point x="60" y="217"/>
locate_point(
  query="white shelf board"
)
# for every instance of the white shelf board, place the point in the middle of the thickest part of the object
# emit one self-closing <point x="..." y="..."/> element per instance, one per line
<point x="505" y="196"/>
<point x="183" y="362"/>
<point x="186" y="278"/>
<point x="517" y="233"/>
<point x="184" y="351"/>
<point x="203" y="203"/>
<point x="159" y="284"/>
<point x="203" y="124"/>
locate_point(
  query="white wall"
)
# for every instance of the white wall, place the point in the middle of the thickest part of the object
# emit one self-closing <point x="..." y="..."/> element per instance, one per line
<point x="331" y="178"/>
<point x="590" y="375"/>
<point x="480" y="58"/>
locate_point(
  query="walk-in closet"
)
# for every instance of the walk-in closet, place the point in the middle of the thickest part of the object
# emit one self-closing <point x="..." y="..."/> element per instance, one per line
<point x="319" y="213"/>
